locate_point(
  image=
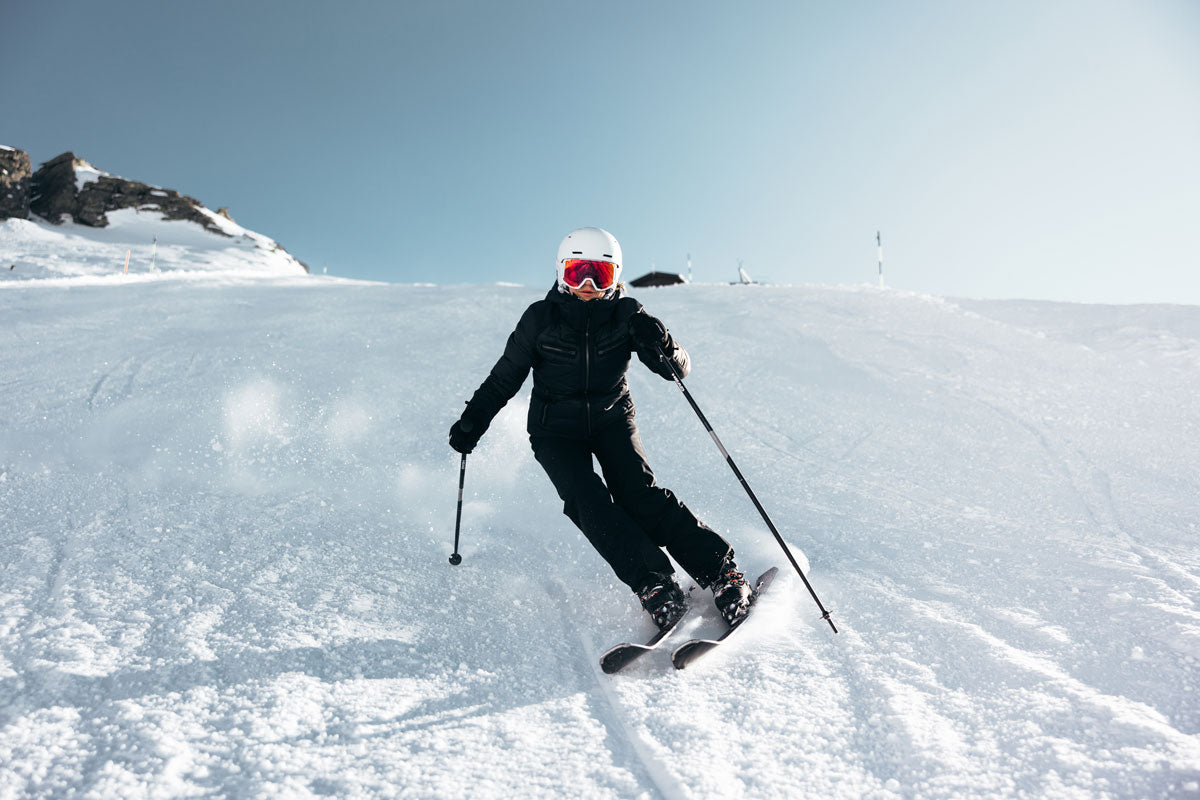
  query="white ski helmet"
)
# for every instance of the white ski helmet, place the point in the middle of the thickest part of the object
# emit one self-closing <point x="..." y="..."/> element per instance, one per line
<point x="592" y="244"/>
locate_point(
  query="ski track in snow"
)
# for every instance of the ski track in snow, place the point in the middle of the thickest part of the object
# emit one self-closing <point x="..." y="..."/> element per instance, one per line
<point x="228" y="506"/>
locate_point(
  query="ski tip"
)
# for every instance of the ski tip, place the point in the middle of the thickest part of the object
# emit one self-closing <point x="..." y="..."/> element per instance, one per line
<point x="616" y="658"/>
<point x="622" y="656"/>
<point x="609" y="667"/>
<point x="688" y="652"/>
<point x="767" y="576"/>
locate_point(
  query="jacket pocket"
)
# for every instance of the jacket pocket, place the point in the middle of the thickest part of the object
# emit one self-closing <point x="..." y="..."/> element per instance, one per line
<point x="561" y="352"/>
<point x="616" y="344"/>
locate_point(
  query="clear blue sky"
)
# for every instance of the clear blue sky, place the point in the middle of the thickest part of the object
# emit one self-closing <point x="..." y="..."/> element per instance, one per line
<point x="1005" y="149"/>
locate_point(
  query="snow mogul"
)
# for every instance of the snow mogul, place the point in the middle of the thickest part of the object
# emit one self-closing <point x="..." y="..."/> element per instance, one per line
<point x="578" y="341"/>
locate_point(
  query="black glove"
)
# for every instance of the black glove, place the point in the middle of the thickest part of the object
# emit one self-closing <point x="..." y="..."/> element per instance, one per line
<point x="647" y="331"/>
<point x="465" y="433"/>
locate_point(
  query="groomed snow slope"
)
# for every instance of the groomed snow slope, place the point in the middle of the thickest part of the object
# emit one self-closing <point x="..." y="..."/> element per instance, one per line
<point x="227" y="512"/>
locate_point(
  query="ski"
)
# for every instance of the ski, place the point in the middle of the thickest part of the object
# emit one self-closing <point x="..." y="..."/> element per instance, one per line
<point x="621" y="656"/>
<point x="692" y="649"/>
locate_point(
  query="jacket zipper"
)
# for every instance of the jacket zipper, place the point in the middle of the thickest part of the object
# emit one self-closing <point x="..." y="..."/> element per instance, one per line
<point x="587" y="373"/>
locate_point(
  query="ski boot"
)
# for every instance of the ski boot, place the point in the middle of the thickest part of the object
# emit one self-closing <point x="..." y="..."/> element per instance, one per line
<point x="731" y="593"/>
<point x="663" y="600"/>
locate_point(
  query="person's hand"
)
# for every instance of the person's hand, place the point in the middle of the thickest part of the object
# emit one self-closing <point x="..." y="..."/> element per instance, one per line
<point x="647" y="331"/>
<point x="465" y="434"/>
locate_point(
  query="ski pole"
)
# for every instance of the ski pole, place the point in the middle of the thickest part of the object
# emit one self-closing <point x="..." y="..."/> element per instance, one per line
<point x="455" y="558"/>
<point x="729" y="460"/>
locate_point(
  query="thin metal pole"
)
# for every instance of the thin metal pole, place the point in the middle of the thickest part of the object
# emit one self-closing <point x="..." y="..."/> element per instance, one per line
<point x="729" y="460"/>
<point x="879" y="241"/>
<point x="455" y="558"/>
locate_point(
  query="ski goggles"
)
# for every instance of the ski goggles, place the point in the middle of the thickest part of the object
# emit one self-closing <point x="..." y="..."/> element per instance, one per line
<point x="603" y="274"/>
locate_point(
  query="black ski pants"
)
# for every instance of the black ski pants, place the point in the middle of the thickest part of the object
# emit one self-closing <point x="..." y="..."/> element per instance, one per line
<point x="627" y="517"/>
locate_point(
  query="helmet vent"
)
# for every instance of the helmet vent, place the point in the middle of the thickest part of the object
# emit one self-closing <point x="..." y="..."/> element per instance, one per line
<point x="608" y="255"/>
<point x="576" y="252"/>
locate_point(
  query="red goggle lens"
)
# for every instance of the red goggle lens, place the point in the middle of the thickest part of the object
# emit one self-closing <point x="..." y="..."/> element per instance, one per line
<point x="603" y="274"/>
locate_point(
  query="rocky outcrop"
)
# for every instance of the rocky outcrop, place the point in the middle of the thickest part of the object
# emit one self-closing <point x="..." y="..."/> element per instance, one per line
<point x="53" y="187"/>
<point x="15" y="174"/>
<point x="71" y="186"/>
<point x="68" y="188"/>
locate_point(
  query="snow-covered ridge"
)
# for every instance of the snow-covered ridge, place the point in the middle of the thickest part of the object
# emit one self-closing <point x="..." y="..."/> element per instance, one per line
<point x="35" y="250"/>
<point x="82" y="222"/>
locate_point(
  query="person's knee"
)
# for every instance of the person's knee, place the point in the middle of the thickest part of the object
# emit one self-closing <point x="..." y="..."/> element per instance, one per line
<point x="641" y="499"/>
<point x="633" y="487"/>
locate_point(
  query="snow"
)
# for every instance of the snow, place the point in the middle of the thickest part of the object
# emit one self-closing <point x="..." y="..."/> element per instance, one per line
<point x="32" y="249"/>
<point x="229" y="504"/>
<point x="85" y="173"/>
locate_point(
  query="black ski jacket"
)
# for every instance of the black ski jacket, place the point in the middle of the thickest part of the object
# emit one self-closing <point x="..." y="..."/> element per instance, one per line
<point x="579" y="352"/>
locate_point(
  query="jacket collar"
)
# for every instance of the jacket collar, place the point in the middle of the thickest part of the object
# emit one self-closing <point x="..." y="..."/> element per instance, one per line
<point x="578" y="312"/>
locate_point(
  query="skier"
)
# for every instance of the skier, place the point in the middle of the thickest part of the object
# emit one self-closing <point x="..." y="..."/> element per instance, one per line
<point x="578" y="341"/>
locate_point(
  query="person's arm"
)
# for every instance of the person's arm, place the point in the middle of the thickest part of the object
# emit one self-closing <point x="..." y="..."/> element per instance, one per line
<point x="649" y="335"/>
<point x="501" y="384"/>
